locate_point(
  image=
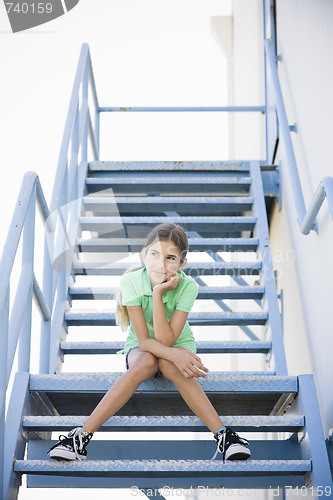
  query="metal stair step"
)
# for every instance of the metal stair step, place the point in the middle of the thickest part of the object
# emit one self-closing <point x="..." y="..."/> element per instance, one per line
<point x="215" y="381"/>
<point x="174" y="182"/>
<point x="201" y="224"/>
<point x="205" y="292"/>
<point x="205" y="205"/>
<point x="132" y="166"/>
<point x="194" y="318"/>
<point x="157" y="473"/>
<point x="202" y="347"/>
<point x="196" y="244"/>
<point x="231" y="393"/>
<point x="292" y="423"/>
<point x="164" y="468"/>
<point x="193" y="269"/>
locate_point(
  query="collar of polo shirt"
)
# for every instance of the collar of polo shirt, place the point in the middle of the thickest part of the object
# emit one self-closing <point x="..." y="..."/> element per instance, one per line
<point x="147" y="290"/>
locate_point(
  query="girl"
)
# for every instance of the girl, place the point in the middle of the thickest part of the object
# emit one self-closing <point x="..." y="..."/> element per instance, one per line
<point x="153" y="304"/>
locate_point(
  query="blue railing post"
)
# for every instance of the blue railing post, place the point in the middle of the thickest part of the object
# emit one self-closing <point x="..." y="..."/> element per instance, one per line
<point x="85" y="82"/>
<point x="266" y="27"/>
<point x="45" y="333"/>
<point x="60" y="263"/>
<point x="74" y="159"/>
<point x="272" y="130"/>
<point x="4" y="327"/>
<point x="267" y="269"/>
<point x="44" y="345"/>
<point x="17" y="315"/>
<point x="27" y="259"/>
<point x="97" y="127"/>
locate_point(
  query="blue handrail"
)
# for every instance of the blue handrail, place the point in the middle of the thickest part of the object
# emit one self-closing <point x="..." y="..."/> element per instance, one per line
<point x="17" y="328"/>
<point x="84" y="73"/>
<point x="23" y="221"/>
<point x="306" y="218"/>
<point x="67" y="191"/>
<point x="324" y="190"/>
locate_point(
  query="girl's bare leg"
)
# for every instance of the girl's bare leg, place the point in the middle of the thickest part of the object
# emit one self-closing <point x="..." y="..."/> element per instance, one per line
<point x="193" y="395"/>
<point x="142" y="365"/>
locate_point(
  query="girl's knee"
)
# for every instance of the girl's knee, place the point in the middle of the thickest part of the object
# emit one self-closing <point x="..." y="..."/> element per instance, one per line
<point x="167" y="368"/>
<point x="145" y="365"/>
<point x="149" y="361"/>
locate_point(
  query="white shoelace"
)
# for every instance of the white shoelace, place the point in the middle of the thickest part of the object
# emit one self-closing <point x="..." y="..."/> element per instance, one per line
<point x="221" y="438"/>
<point x="77" y="433"/>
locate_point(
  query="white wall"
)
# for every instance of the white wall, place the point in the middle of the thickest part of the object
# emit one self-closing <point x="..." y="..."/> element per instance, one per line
<point x="305" y="42"/>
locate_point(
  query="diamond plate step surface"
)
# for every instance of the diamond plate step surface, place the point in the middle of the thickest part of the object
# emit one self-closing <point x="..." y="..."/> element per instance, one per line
<point x="200" y="318"/>
<point x="123" y="244"/>
<point x="201" y="224"/>
<point x="205" y="292"/>
<point x="292" y="423"/>
<point x="162" y="468"/>
<point x="192" y="268"/>
<point x="186" y="205"/>
<point x="177" y="182"/>
<point x="202" y="347"/>
<point x="215" y="381"/>
<point x="197" y="166"/>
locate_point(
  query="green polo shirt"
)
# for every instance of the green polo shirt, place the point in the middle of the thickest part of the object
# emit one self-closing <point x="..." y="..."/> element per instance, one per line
<point x="136" y="291"/>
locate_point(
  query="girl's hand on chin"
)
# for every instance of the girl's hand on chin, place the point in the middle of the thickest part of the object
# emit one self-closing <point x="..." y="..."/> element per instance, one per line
<point x="170" y="284"/>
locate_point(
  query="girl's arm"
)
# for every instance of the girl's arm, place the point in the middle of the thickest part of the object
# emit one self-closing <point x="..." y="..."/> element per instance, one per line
<point x="187" y="362"/>
<point x="140" y="328"/>
<point x="166" y="332"/>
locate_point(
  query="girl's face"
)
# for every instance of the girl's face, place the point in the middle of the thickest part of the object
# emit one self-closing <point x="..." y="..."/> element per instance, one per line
<point x="162" y="260"/>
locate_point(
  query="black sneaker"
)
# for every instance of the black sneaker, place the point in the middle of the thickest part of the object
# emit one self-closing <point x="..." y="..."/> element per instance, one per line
<point x="231" y="445"/>
<point x="71" y="447"/>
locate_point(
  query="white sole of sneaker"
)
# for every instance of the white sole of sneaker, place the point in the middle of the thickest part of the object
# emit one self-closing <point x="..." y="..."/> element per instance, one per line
<point x="237" y="452"/>
<point x="64" y="455"/>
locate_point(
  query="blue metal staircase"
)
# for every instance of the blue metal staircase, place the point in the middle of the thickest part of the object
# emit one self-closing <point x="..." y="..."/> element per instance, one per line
<point x="265" y="401"/>
<point x="101" y="212"/>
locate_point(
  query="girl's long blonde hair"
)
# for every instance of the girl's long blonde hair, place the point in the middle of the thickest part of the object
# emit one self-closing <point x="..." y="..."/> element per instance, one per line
<point x="164" y="232"/>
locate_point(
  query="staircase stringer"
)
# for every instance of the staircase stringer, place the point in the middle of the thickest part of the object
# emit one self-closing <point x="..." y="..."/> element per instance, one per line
<point x="15" y="438"/>
<point x="311" y="438"/>
<point x="270" y="300"/>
